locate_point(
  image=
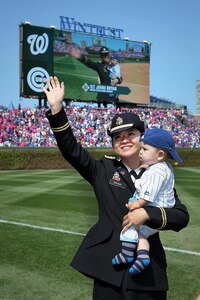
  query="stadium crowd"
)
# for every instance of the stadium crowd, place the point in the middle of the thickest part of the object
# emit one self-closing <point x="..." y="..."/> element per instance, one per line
<point x="64" y="47"/>
<point x="28" y="127"/>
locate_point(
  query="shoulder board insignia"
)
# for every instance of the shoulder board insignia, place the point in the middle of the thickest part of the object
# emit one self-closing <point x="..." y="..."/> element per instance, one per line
<point x="110" y="157"/>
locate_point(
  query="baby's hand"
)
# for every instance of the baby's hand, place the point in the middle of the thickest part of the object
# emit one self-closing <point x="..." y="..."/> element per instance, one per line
<point x="114" y="81"/>
<point x="131" y="206"/>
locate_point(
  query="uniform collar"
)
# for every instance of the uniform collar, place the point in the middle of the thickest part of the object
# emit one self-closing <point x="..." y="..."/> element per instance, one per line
<point x="137" y="170"/>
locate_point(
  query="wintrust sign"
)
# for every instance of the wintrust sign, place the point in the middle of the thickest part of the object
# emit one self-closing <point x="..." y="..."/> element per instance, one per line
<point x="69" y="24"/>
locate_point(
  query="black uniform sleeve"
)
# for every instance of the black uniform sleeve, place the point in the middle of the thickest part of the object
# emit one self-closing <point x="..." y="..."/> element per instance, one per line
<point x="89" y="63"/>
<point x="72" y="151"/>
<point x="175" y="218"/>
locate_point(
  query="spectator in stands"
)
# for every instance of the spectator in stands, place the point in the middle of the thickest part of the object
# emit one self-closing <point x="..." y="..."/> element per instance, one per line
<point x="18" y="124"/>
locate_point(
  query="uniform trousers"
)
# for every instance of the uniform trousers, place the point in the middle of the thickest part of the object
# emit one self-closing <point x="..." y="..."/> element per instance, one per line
<point x="106" y="291"/>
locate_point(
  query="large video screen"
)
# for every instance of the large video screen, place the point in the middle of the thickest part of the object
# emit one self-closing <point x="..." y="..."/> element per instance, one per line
<point x="133" y="58"/>
<point x="82" y="82"/>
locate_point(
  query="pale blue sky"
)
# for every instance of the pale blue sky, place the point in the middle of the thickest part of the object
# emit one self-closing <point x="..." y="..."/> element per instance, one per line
<point x="173" y="27"/>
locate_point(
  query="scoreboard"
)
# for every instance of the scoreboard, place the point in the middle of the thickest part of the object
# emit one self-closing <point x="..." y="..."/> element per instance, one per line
<point x="44" y="52"/>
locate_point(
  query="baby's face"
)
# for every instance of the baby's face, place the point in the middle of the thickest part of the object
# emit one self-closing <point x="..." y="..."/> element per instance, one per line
<point x="114" y="61"/>
<point x="148" y="154"/>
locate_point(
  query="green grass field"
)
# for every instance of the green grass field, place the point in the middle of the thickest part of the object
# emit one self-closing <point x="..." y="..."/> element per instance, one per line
<point x="75" y="75"/>
<point x="43" y="215"/>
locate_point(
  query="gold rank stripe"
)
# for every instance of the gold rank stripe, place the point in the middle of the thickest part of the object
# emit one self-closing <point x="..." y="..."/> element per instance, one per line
<point x="62" y="128"/>
<point x="121" y="127"/>
<point x="164" y="218"/>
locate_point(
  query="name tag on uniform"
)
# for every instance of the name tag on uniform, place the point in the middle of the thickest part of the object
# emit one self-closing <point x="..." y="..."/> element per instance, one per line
<point x="117" y="183"/>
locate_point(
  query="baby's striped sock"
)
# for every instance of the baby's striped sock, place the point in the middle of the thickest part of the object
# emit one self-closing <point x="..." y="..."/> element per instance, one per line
<point x="126" y="255"/>
<point x="141" y="262"/>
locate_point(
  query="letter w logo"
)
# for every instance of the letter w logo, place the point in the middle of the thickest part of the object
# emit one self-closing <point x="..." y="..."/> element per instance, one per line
<point x="38" y="43"/>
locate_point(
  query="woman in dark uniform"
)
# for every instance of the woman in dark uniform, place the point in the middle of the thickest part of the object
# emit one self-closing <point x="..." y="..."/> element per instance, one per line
<point x="113" y="186"/>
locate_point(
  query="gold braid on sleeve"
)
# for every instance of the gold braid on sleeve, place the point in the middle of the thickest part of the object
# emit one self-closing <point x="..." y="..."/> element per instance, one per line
<point x="164" y="218"/>
<point x="62" y="128"/>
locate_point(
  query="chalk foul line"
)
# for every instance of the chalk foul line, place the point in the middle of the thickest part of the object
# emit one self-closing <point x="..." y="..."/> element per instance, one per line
<point x="41" y="227"/>
<point x="82" y="234"/>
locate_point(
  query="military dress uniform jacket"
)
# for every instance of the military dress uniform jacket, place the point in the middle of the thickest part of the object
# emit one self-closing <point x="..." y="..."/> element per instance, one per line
<point x="113" y="187"/>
